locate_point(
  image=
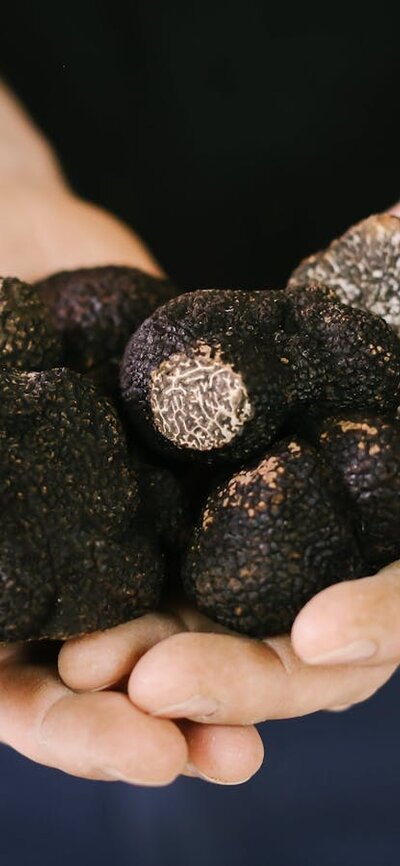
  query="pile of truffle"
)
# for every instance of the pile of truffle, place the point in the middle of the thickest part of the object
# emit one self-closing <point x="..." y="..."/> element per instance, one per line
<point x="242" y="446"/>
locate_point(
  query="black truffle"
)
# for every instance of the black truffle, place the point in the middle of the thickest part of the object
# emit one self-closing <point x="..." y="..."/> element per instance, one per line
<point x="215" y="374"/>
<point x="202" y="376"/>
<point x="270" y="538"/>
<point x="363" y="266"/>
<point x="28" y="339"/>
<point x="364" y="451"/>
<point x="71" y="557"/>
<point x="96" y="309"/>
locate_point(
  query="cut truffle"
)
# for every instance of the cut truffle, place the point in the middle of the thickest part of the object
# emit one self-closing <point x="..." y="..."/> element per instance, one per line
<point x="215" y="374"/>
<point x="363" y="266"/>
<point x="28" y="339"/>
<point x="269" y="539"/>
<point x="201" y="376"/>
<point x="96" y="309"/>
<point x="68" y="499"/>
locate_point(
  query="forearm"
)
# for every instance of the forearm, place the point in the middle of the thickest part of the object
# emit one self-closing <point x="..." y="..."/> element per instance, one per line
<point x="26" y="157"/>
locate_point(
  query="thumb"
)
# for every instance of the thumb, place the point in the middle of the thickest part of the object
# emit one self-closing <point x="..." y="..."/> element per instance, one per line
<point x="356" y="622"/>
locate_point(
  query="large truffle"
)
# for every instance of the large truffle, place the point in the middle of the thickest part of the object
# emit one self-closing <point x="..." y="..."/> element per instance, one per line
<point x="96" y="309"/>
<point x="268" y="540"/>
<point x="215" y="374"/>
<point x="28" y="338"/>
<point x="304" y="517"/>
<point x="363" y="266"/>
<point x="71" y="558"/>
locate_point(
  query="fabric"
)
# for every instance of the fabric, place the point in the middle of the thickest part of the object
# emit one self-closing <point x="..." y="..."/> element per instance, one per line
<point x="327" y="794"/>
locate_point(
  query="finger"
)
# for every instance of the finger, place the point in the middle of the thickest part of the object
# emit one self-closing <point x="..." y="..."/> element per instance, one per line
<point x="103" y="658"/>
<point x="96" y="736"/>
<point x="232" y="680"/>
<point x="222" y="755"/>
<point x="356" y="622"/>
<point x="225" y="755"/>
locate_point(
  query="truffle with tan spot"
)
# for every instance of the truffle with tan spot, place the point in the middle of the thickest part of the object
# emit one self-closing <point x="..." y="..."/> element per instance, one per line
<point x="268" y="539"/>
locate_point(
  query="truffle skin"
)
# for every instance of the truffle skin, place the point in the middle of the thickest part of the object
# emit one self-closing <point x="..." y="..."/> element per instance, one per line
<point x="28" y="339"/>
<point x="268" y="540"/>
<point x="68" y="500"/>
<point x="105" y="583"/>
<point x="163" y="505"/>
<point x="26" y="588"/>
<point x="215" y="374"/>
<point x="96" y="309"/>
<point x="352" y="357"/>
<point x="363" y="266"/>
<point x="364" y="451"/>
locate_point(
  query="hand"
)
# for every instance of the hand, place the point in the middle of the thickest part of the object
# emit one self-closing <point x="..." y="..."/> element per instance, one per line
<point x="211" y="676"/>
<point x="45" y="227"/>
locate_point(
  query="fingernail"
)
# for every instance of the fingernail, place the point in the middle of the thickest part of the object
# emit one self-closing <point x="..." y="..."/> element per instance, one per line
<point x="198" y="775"/>
<point x="197" y="705"/>
<point x="358" y="651"/>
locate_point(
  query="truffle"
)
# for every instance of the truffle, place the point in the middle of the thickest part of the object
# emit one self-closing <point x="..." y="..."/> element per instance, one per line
<point x="363" y="266"/>
<point x="364" y="450"/>
<point x="72" y="558"/>
<point x="269" y="539"/>
<point x="96" y="309"/>
<point x="214" y="374"/>
<point x="28" y="339"/>
<point x="307" y="515"/>
<point x="201" y="375"/>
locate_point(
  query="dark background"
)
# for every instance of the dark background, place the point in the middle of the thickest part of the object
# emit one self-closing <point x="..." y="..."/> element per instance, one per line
<point x="236" y="138"/>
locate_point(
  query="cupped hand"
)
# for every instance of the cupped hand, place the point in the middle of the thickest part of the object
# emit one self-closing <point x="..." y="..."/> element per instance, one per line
<point x="207" y="675"/>
<point x="344" y="645"/>
<point x="102" y="660"/>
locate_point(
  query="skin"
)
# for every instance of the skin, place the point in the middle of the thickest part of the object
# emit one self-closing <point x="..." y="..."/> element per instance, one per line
<point x="109" y="710"/>
<point x="45" y="227"/>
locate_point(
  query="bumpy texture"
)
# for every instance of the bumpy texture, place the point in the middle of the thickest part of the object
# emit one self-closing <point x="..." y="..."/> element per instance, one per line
<point x="268" y="540"/>
<point x="364" y="450"/>
<point x="28" y="339"/>
<point x="215" y="374"/>
<point x="96" y="309"/>
<point x="163" y="505"/>
<point x="351" y="357"/>
<point x="71" y="558"/>
<point x="363" y="266"/>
